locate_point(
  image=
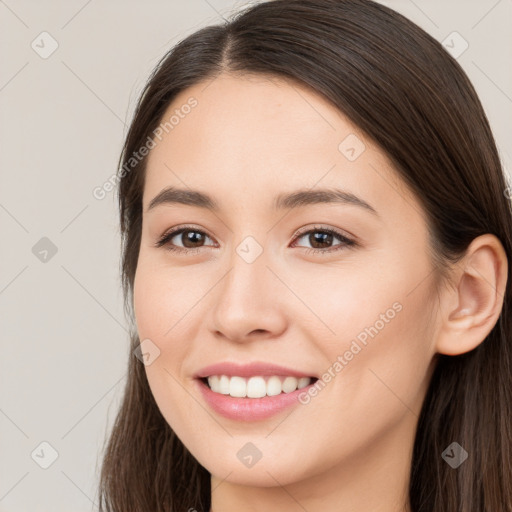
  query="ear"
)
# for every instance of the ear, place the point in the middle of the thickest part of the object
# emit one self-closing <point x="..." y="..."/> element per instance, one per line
<point x="470" y="309"/>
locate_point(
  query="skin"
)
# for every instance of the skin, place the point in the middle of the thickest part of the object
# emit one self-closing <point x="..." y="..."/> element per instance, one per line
<point x="248" y="140"/>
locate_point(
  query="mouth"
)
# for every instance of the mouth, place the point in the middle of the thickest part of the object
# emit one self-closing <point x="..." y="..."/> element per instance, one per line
<point x="257" y="386"/>
<point x="253" y="391"/>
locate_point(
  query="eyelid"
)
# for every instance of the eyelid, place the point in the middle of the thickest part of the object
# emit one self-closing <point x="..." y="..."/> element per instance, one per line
<point x="317" y="227"/>
<point x="346" y="240"/>
<point x="176" y="230"/>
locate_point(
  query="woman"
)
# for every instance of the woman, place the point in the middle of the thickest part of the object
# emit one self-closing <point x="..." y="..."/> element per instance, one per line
<point x="316" y="236"/>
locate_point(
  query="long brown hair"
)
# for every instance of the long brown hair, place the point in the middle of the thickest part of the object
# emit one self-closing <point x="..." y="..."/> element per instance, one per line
<point x="401" y="88"/>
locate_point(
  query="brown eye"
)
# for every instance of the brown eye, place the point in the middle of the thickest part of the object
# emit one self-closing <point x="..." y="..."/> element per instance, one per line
<point x="185" y="239"/>
<point x="191" y="239"/>
<point x="321" y="239"/>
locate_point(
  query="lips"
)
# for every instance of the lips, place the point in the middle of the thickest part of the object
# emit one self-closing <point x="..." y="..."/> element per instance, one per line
<point x="262" y="369"/>
<point x="256" y="405"/>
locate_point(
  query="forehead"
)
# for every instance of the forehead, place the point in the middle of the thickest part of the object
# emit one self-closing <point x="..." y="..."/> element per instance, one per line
<point x="255" y="137"/>
<point x="278" y="115"/>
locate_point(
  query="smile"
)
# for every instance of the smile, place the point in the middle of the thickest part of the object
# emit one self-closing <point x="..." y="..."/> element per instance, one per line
<point x="257" y="386"/>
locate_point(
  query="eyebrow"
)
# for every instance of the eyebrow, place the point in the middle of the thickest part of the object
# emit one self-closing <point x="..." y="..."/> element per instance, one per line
<point x="291" y="200"/>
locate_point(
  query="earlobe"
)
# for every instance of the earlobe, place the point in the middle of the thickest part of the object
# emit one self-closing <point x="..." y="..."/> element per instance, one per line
<point x="473" y="305"/>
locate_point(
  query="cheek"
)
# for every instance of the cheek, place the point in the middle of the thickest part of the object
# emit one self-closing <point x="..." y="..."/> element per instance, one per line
<point x="161" y="305"/>
<point x="343" y="301"/>
<point x="158" y="307"/>
<point x="150" y="301"/>
<point x="386" y="351"/>
<point x="380" y="325"/>
<point x="163" y="299"/>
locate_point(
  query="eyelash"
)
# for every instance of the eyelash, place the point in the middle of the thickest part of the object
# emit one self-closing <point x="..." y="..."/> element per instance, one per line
<point x="166" y="237"/>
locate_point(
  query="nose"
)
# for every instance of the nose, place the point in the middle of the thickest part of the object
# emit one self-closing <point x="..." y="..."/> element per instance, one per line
<point x="249" y="301"/>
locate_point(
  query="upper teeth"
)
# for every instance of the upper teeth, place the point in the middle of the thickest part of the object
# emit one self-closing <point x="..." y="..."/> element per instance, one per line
<point x="255" y="387"/>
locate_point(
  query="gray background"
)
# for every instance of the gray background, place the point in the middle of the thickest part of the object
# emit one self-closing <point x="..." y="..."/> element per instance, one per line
<point x="63" y="118"/>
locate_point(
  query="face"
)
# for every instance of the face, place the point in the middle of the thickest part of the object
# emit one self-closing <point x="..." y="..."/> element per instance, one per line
<point x="337" y="288"/>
